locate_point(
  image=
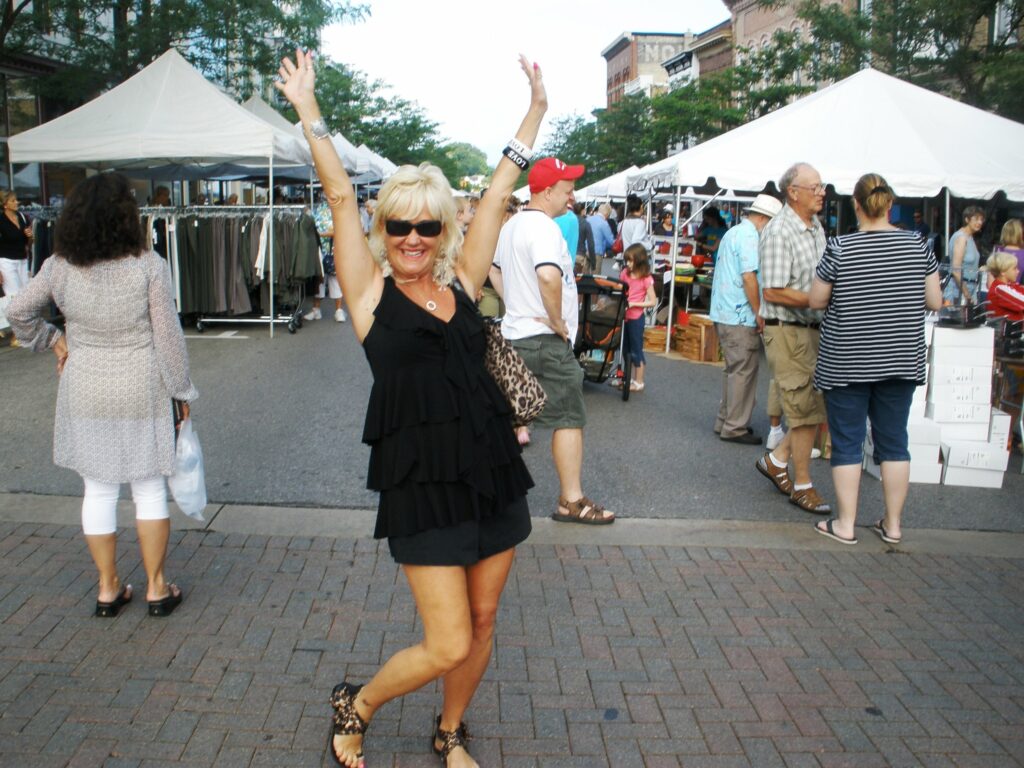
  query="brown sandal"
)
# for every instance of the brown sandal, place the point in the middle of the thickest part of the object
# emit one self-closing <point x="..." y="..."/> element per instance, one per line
<point x="809" y="501"/>
<point x="778" y="475"/>
<point x="583" y="511"/>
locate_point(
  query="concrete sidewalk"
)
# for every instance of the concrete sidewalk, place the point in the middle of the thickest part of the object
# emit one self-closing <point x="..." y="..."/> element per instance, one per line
<point x="650" y="643"/>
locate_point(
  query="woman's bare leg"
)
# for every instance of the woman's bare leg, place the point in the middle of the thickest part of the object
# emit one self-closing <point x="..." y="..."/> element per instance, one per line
<point x="153" y="538"/>
<point x="895" y="486"/>
<point x="103" y="549"/>
<point x="442" y="601"/>
<point x="486" y="580"/>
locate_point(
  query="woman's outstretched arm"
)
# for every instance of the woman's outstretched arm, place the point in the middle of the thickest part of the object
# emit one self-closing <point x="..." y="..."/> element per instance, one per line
<point x="482" y="237"/>
<point x="359" y="276"/>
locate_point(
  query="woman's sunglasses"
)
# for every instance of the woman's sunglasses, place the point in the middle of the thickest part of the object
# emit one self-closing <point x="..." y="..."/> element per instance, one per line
<point x="402" y="228"/>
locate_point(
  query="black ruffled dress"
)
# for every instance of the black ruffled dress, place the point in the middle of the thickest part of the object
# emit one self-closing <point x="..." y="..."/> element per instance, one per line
<point x="443" y="455"/>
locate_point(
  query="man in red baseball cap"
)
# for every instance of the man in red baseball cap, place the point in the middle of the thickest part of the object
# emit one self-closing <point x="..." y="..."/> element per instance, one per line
<point x="533" y="269"/>
<point x="549" y="171"/>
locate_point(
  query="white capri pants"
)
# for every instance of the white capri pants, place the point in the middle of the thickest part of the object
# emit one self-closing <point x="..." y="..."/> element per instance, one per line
<point x="329" y="286"/>
<point x="15" y="272"/>
<point x="99" y="507"/>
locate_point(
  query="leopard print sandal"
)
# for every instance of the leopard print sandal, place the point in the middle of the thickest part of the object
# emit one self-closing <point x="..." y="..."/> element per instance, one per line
<point x="346" y="720"/>
<point x="449" y="740"/>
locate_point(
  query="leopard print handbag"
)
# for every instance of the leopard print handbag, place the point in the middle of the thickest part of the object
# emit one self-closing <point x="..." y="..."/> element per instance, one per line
<point x="520" y="387"/>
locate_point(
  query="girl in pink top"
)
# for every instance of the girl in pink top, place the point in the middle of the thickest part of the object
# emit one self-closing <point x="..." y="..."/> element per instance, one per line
<point x="639" y="295"/>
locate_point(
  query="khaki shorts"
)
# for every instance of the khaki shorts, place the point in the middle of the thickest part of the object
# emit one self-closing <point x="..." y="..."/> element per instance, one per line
<point x="774" y="407"/>
<point x="551" y="360"/>
<point x="792" y="352"/>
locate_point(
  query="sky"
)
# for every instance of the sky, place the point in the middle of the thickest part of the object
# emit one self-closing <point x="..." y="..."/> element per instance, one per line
<point x="458" y="59"/>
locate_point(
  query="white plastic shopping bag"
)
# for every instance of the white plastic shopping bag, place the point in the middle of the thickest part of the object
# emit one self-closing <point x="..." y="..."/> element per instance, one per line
<point x="188" y="483"/>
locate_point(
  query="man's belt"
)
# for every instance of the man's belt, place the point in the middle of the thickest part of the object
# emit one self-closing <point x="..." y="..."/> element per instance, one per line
<point x="776" y="321"/>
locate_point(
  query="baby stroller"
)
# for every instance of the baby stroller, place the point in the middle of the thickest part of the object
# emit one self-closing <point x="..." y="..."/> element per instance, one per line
<point x="599" y="343"/>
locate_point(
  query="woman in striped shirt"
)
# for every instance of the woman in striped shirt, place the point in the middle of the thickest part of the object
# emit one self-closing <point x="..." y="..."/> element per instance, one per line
<point x="874" y="285"/>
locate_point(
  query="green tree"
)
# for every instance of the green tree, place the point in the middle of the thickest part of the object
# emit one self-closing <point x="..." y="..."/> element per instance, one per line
<point x="966" y="49"/>
<point x="718" y="102"/>
<point x="623" y="136"/>
<point x="467" y="159"/>
<point x="616" y="138"/>
<point x="571" y="138"/>
<point x="366" y="112"/>
<point x="104" y="42"/>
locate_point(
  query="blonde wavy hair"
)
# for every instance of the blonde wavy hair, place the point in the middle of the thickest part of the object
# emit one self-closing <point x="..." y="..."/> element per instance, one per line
<point x="1012" y="234"/>
<point x="405" y="195"/>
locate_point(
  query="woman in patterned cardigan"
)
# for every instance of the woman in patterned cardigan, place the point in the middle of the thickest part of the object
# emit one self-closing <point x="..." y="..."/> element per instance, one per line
<point x="121" y="361"/>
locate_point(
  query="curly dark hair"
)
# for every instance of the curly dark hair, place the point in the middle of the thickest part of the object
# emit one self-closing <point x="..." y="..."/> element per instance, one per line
<point x="100" y="221"/>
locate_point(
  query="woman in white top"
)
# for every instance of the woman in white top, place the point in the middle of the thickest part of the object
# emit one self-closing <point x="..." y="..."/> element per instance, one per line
<point x="634" y="228"/>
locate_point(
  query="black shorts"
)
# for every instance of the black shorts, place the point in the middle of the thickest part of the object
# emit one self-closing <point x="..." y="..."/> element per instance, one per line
<point x="466" y="543"/>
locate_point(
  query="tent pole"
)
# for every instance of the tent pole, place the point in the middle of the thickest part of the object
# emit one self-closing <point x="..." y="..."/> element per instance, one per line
<point x="672" y="272"/>
<point x="270" y="198"/>
<point x="172" y="255"/>
<point x="675" y="243"/>
<point x="946" y="253"/>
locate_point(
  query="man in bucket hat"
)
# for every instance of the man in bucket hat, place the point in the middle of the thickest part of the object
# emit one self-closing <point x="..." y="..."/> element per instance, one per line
<point x="533" y="269"/>
<point x="735" y="303"/>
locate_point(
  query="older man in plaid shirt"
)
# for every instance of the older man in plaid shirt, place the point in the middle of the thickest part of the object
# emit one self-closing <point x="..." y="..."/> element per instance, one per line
<point x="791" y="246"/>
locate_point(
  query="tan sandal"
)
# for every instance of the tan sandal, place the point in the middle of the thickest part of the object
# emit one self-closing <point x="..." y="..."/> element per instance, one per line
<point x="809" y="501"/>
<point x="583" y="511"/>
<point x="778" y="475"/>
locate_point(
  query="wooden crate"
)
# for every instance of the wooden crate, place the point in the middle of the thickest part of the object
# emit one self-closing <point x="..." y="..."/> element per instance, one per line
<point x="698" y="341"/>
<point x="701" y="320"/>
<point x="654" y="338"/>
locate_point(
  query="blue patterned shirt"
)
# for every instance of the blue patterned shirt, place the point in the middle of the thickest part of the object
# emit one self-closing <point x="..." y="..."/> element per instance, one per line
<point x="737" y="254"/>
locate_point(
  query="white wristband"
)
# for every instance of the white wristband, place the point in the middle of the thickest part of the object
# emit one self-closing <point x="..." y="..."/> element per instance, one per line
<point x="521" y="149"/>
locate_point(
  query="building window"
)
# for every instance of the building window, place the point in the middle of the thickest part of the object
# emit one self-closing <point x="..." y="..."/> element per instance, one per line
<point x="1000" y="31"/>
<point x="20" y="112"/>
<point x="22" y="104"/>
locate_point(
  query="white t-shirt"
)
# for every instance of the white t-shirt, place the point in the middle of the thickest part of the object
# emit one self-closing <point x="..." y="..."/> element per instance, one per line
<point x="634" y="230"/>
<point x="529" y="240"/>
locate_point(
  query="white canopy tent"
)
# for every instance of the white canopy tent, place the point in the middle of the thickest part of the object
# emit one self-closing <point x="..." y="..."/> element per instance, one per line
<point x="166" y="114"/>
<point x="923" y="143"/>
<point x="378" y="163"/>
<point x="920" y="141"/>
<point x="355" y="160"/>
<point x="522" y="194"/>
<point x="613" y="187"/>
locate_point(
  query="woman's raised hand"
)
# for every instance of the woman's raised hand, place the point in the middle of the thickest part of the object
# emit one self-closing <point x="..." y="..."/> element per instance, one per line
<point x="297" y="80"/>
<point x="538" y="94"/>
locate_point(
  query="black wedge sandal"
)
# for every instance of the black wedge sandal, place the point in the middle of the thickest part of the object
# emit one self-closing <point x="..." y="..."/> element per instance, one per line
<point x="346" y="720"/>
<point x="449" y="740"/>
<point x="111" y="609"/>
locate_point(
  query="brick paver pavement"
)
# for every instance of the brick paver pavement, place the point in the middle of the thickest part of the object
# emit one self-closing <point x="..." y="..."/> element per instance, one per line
<point x="606" y="656"/>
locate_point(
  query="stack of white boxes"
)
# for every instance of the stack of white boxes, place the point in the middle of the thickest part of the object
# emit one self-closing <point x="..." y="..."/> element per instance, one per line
<point x="955" y="436"/>
<point x="975" y="436"/>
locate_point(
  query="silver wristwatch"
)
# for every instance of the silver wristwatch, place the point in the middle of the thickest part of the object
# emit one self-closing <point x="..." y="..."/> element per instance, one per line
<point x="318" y="129"/>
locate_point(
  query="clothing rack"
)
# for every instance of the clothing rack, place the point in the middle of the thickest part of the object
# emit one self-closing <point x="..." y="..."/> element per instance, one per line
<point x="171" y="215"/>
